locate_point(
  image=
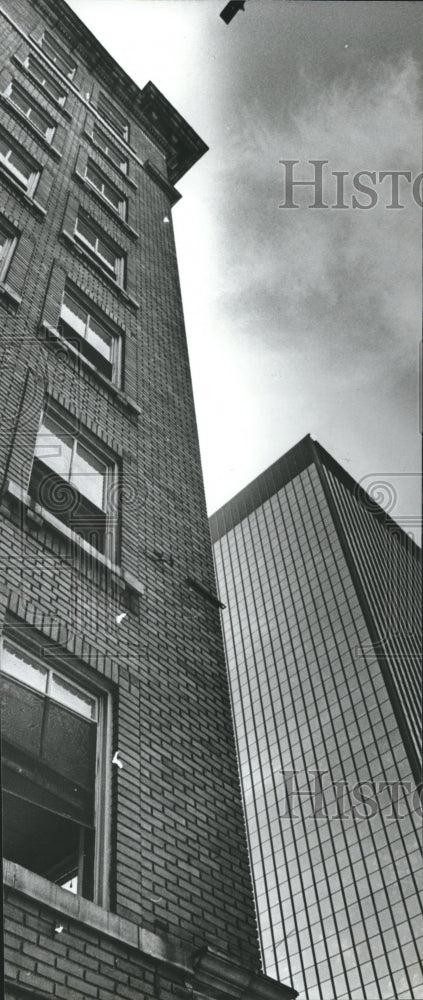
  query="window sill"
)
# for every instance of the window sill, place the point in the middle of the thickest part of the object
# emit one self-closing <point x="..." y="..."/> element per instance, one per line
<point x="8" y="293"/>
<point x="121" y="173"/>
<point x="98" y="268"/>
<point x="90" y="189"/>
<point x="32" y="128"/>
<point x="53" y="338"/>
<point x="17" y="189"/>
<point x="206" y="971"/>
<point x="39" y="514"/>
<point x="73" y="907"/>
<point x="57" y="106"/>
<point x="18" y="493"/>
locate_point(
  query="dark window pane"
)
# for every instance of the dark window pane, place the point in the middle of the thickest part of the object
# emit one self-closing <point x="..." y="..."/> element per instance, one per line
<point x="21" y="715"/>
<point x="69" y="745"/>
<point x="38" y="839"/>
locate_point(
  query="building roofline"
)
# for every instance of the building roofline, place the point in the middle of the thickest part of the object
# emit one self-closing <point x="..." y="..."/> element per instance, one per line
<point x="266" y="484"/>
<point x="181" y="145"/>
<point x="281" y="472"/>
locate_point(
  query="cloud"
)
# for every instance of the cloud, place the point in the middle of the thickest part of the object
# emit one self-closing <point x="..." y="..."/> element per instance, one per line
<point x="317" y="311"/>
<point x="292" y="271"/>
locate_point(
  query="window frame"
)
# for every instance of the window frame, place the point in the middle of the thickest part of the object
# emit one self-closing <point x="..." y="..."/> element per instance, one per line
<point x="50" y="129"/>
<point x="109" y="149"/>
<point x="58" y="55"/>
<point x="112" y="521"/>
<point x="15" y="148"/>
<point x="45" y="80"/>
<point x="116" y="272"/>
<point x="93" y="313"/>
<point x="8" y="247"/>
<point x="113" y="116"/>
<point x="122" y="207"/>
<point x="96" y="688"/>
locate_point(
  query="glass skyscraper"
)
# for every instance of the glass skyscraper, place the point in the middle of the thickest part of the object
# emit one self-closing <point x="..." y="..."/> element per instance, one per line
<point x="321" y="629"/>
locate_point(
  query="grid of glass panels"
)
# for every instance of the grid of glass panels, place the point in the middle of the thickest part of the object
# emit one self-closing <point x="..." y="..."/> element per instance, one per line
<point x="336" y="880"/>
<point x="390" y="571"/>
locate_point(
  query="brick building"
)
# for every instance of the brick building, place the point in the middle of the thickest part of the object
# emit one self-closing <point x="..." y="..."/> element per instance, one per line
<point x="126" y="870"/>
<point x="322" y="631"/>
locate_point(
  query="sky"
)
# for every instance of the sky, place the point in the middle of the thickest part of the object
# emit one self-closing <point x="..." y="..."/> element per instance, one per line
<point x="298" y="320"/>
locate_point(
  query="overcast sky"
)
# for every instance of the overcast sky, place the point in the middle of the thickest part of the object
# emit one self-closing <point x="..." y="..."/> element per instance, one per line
<point x="301" y="320"/>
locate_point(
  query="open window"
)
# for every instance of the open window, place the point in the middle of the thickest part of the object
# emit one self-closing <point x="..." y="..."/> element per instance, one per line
<point x="108" y="191"/>
<point x="74" y="479"/>
<point x="58" y="56"/>
<point x="18" y="164"/>
<point x="53" y="752"/>
<point x="31" y="110"/>
<point x="113" y="117"/>
<point x="52" y="87"/>
<point x="107" y="147"/>
<point x="101" y="247"/>
<point x="88" y="330"/>
<point x="8" y="241"/>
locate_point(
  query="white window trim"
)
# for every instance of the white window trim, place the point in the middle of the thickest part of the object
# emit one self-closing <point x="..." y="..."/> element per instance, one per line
<point x="118" y="271"/>
<point x="7" y="251"/>
<point x="50" y="130"/>
<point x="102" y="795"/>
<point x="46" y="81"/>
<point x="121" y="210"/>
<point x="113" y="117"/>
<point x="93" y="313"/>
<point x="59" y="54"/>
<point x="111" y="480"/>
<point x="27" y="185"/>
<point x="105" y="149"/>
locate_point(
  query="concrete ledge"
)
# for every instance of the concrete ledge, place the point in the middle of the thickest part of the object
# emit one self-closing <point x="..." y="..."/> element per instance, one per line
<point x="75" y="908"/>
<point x="52" y="338"/>
<point x="207" y="972"/>
<point x="217" y="972"/>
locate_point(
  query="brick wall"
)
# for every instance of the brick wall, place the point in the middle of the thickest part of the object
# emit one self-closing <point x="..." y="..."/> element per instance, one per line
<point x="177" y="830"/>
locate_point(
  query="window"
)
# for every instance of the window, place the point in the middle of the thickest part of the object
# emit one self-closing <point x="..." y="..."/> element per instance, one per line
<point x="18" y="164"/>
<point x="107" y="190"/>
<point x="113" y="116"/>
<point x="104" y="250"/>
<point x="31" y="111"/>
<point x="110" y="150"/>
<point x="53" y="732"/>
<point x="60" y="58"/>
<point x="93" y="339"/>
<point x="63" y="456"/>
<point x="53" y="89"/>
<point x="7" y="246"/>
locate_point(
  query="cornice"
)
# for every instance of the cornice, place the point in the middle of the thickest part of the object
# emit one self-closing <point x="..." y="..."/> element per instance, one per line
<point x="148" y="106"/>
